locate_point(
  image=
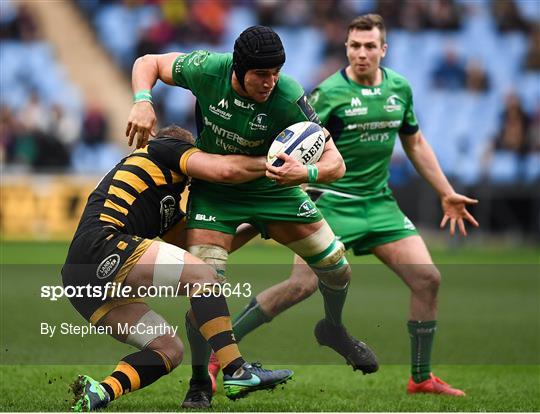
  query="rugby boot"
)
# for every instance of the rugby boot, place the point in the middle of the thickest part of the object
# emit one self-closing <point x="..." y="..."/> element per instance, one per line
<point x="433" y="385"/>
<point x="356" y="353"/>
<point x="199" y="395"/>
<point x="253" y="377"/>
<point x="213" y="370"/>
<point x="89" y="395"/>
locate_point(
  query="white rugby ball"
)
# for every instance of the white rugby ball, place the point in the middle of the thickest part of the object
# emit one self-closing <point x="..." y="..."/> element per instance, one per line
<point x="303" y="141"/>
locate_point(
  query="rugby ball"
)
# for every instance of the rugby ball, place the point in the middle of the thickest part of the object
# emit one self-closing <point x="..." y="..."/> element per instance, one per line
<point x="303" y="141"/>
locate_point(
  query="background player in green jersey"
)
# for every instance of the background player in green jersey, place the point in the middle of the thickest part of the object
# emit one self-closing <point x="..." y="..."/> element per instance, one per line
<point x="243" y="103"/>
<point x="365" y="106"/>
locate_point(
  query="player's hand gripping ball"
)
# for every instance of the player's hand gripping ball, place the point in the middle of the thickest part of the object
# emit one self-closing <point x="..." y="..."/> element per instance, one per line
<point x="303" y="141"/>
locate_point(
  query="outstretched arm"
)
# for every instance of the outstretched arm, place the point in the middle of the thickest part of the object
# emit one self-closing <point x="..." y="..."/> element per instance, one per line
<point x="231" y="169"/>
<point x="330" y="167"/>
<point x="146" y="71"/>
<point x="425" y="162"/>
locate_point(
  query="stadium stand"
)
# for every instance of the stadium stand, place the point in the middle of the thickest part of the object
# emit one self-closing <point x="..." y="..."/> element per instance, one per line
<point x="492" y="54"/>
<point x="497" y="45"/>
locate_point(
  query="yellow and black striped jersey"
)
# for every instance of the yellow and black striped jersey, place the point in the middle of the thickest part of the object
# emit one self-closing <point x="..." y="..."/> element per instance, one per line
<point x="141" y="194"/>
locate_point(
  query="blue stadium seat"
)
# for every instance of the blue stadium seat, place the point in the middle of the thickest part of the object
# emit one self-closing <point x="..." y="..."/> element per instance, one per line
<point x="95" y="159"/>
<point x="532" y="167"/>
<point x="529" y="9"/>
<point x="118" y="30"/>
<point x="504" y="168"/>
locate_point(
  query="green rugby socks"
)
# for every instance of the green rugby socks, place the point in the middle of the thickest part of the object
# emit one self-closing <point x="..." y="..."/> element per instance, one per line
<point x="421" y="335"/>
<point x="334" y="300"/>
<point x="249" y="319"/>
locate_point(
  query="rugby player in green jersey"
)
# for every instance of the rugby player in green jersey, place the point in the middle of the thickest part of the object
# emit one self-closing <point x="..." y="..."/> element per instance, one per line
<point x="114" y="257"/>
<point x="243" y="103"/>
<point x="364" y="106"/>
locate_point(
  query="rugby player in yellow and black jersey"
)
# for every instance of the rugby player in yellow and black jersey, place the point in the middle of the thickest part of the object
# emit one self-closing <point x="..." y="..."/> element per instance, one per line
<point x="113" y="246"/>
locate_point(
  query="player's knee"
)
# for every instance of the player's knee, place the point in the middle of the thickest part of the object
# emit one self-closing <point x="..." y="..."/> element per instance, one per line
<point x="325" y="255"/>
<point x="157" y="335"/>
<point x="169" y="265"/>
<point x="170" y="348"/>
<point x="337" y="279"/>
<point x="200" y="273"/>
<point x="215" y="256"/>
<point x="333" y="269"/>
<point x="427" y="278"/>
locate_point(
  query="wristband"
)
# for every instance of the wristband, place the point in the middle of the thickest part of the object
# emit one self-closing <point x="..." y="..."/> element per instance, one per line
<point x="312" y="173"/>
<point x="143" y="95"/>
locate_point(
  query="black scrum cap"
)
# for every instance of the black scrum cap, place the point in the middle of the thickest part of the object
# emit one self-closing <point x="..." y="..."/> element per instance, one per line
<point x="257" y="47"/>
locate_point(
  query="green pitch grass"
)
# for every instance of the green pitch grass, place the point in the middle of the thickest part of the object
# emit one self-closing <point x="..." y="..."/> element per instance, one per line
<point x="488" y="343"/>
<point x="315" y="388"/>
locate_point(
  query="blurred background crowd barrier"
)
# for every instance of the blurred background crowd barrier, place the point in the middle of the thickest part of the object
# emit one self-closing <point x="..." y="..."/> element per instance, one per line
<point x="65" y="94"/>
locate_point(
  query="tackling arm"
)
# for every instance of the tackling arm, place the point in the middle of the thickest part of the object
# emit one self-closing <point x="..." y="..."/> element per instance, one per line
<point x="425" y="162"/>
<point x="231" y="169"/>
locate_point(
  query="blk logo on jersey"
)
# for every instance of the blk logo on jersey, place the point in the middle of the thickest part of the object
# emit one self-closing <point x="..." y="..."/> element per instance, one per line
<point x="243" y="104"/>
<point x="371" y="92"/>
<point x="204" y="217"/>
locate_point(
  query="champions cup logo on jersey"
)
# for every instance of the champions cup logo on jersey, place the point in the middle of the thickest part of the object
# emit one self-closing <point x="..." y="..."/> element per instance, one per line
<point x="356" y="108"/>
<point x="307" y="209"/>
<point x="392" y="104"/>
<point x="221" y="111"/>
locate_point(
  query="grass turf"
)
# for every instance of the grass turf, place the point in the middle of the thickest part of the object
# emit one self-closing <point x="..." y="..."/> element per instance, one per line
<point x="489" y="323"/>
<point x="315" y="388"/>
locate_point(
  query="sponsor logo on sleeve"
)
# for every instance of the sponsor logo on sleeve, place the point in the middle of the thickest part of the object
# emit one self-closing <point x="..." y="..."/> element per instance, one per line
<point x="108" y="266"/>
<point x="178" y="64"/>
<point x="308" y="110"/>
<point x="167" y="210"/>
<point x="198" y="57"/>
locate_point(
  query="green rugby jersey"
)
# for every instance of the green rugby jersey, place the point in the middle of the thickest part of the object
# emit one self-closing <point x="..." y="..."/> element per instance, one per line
<point x="230" y="124"/>
<point x="364" y="122"/>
